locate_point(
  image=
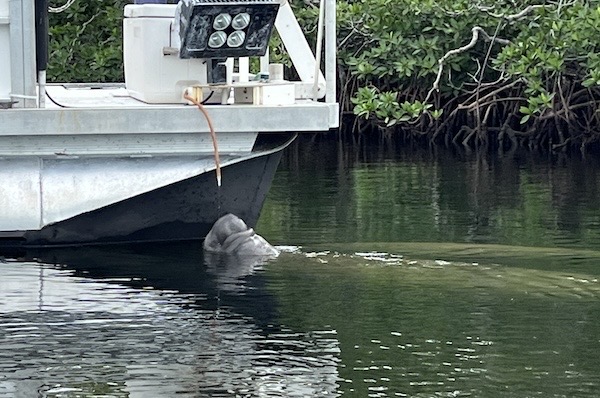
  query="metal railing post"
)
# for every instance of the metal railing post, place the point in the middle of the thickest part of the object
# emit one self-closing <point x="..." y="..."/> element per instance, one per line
<point x="330" y="51"/>
<point x="22" y="53"/>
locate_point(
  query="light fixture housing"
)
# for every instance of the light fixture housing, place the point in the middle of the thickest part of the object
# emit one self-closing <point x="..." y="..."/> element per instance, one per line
<point x="200" y="19"/>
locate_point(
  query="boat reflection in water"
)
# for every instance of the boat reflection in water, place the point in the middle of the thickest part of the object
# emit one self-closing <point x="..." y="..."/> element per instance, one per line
<point x="151" y="321"/>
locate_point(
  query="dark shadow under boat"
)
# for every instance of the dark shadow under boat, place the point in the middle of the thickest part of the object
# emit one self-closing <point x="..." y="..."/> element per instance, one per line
<point x="237" y="284"/>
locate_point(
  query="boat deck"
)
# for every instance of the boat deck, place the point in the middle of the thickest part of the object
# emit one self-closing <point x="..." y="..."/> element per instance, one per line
<point x="107" y="109"/>
<point x="102" y="119"/>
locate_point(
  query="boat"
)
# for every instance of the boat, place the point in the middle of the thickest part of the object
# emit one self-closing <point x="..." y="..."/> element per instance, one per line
<point x="191" y="134"/>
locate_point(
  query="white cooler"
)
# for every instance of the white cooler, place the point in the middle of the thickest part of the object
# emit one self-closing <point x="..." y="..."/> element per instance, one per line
<point x="151" y="76"/>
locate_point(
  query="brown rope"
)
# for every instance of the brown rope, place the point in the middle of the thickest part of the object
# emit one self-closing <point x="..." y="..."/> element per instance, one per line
<point x="213" y="135"/>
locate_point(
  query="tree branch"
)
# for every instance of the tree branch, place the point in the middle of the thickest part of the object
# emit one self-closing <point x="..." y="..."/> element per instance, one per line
<point x="476" y="31"/>
<point x="523" y="13"/>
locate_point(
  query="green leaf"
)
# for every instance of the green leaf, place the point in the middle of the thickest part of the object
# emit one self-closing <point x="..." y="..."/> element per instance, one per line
<point x="525" y="110"/>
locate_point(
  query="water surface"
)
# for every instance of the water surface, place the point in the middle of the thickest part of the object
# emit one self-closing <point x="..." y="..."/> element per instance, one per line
<point x="406" y="273"/>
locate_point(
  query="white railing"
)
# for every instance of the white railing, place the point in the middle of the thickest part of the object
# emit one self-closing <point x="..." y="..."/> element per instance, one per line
<point x="17" y="39"/>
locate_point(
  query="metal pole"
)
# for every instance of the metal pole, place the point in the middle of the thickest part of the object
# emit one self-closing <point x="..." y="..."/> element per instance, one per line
<point x="319" y="49"/>
<point x="264" y="62"/>
<point x="41" y="48"/>
<point x="42" y="89"/>
<point x="22" y="52"/>
<point x="243" y="69"/>
<point x="330" y="51"/>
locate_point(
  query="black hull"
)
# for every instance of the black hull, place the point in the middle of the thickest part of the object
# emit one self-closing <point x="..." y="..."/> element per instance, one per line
<point x="185" y="210"/>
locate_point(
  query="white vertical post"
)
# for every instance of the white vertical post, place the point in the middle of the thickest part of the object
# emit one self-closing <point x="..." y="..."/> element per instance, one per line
<point x="42" y="89"/>
<point x="225" y="95"/>
<point x="264" y="62"/>
<point x="229" y="71"/>
<point x="243" y="69"/>
<point x="319" y="49"/>
<point x="5" y="73"/>
<point x="330" y="51"/>
<point x="22" y="53"/>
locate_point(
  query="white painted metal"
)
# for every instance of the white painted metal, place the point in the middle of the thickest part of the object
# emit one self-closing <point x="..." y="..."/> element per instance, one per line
<point x="331" y="62"/>
<point x="319" y="48"/>
<point x="42" y="89"/>
<point x="20" y="194"/>
<point x="264" y="62"/>
<point x="5" y="74"/>
<point x="274" y="94"/>
<point x="124" y="144"/>
<point x="149" y="10"/>
<point x="276" y="73"/>
<point x="229" y="63"/>
<point x="334" y="114"/>
<point x="243" y="69"/>
<point x="4" y="11"/>
<point x="330" y="51"/>
<point x="22" y="53"/>
<point x="299" y="51"/>
<point x="152" y="119"/>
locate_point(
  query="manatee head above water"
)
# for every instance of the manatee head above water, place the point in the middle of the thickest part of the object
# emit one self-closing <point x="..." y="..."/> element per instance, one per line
<point x="231" y="235"/>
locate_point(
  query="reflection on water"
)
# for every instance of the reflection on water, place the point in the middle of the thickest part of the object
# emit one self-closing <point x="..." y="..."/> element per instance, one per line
<point x="157" y="323"/>
<point x="391" y="192"/>
<point x="419" y="275"/>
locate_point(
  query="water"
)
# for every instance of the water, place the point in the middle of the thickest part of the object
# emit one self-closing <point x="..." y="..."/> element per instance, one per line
<point x="404" y="273"/>
<point x="117" y="322"/>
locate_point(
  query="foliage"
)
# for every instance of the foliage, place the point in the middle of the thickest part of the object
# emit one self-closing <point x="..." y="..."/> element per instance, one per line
<point x="86" y="42"/>
<point x="561" y="48"/>
<point x="531" y="73"/>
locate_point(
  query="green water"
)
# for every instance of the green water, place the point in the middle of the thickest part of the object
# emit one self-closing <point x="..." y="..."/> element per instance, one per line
<point x="405" y="273"/>
<point x="443" y="274"/>
<point x="412" y="327"/>
<point x="329" y="192"/>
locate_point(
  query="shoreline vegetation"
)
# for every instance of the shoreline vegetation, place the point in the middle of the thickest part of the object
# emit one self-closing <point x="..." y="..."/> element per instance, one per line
<point x="464" y="73"/>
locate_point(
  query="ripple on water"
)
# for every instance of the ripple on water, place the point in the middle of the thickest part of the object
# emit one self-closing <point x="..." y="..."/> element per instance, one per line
<point x="465" y="329"/>
<point x="64" y="335"/>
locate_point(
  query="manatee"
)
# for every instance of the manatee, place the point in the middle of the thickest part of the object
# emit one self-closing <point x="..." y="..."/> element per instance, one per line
<point x="231" y="235"/>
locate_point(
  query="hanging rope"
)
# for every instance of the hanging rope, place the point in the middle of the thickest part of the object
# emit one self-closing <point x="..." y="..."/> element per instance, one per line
<point x="213" y="135"/>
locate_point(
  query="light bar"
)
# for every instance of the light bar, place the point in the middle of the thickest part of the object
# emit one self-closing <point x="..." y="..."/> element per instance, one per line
<point x="226" y="28"/>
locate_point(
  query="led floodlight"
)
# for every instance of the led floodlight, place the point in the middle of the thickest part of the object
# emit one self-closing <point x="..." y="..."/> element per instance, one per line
<point x="226" y="28"/>
<point x="222" y="21"/>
